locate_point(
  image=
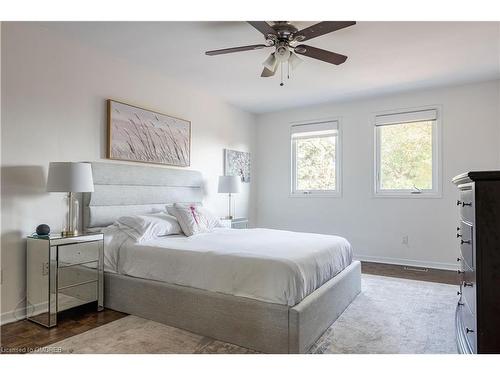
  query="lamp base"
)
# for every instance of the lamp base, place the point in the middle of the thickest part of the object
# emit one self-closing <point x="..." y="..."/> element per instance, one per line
<point x="67" y="233"/>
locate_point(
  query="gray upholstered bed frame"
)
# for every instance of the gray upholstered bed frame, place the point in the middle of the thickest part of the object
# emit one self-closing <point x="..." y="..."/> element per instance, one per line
<point x="270" y="328"/>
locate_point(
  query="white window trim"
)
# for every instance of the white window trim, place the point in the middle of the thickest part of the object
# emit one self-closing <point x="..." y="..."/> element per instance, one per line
<point x="437" y="169"/>
<point x="337" y="193"/>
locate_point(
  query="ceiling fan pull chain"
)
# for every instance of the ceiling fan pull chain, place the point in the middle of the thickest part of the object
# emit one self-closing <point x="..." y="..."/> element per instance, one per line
<point x="281" y="66"/>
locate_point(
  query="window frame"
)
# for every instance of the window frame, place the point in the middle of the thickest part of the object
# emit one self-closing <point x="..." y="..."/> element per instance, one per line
<point x="338" y="162"/>
<point x="436" y="191"/>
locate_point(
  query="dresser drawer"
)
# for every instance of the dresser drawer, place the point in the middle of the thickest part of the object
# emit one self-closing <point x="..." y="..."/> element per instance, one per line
<point x="465" y="325"/>
<point x="466" y="205"/>
<point x="78" y="253"/>
<point x="75" y="275"/>
<point x="466" y="244"/>
<point x="469" y="327"/>
<point x="469" y="288"/>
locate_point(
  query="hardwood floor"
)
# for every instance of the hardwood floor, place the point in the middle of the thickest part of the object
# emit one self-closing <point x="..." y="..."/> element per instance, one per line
<point x="24" y="336"/>
<point x="408" y="272"/>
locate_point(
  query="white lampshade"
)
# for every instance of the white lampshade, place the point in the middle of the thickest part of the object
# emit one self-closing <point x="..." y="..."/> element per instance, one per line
<point x="229" y="184"/>
<point x="70" y="177"/>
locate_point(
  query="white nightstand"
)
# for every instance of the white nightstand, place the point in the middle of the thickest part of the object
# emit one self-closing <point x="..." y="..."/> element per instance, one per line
<point x="236" y="223"/>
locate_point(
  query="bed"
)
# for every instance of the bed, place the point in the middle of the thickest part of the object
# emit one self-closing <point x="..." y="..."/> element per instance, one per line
<point x="271" y="291"/>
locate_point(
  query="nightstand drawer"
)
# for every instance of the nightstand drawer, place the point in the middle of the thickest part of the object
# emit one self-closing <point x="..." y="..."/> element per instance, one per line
<point x="239" y="224"/>
<point x="76" y="275"/>
<point x="79" y="253"/>
<point x="77" y="295"/>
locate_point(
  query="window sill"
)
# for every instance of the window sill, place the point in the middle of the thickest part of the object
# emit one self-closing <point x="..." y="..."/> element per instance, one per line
<point x="313" y="195"/>
<point x="408" y="195"/>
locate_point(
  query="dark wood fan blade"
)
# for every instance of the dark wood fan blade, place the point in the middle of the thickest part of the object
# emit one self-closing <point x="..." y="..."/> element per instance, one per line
<point x="321" y="28"/>
<point x="235" y="49"/>
<point x="320" y="54"/>
<point x="268" y="72"/>
<point x="263" y="27"/>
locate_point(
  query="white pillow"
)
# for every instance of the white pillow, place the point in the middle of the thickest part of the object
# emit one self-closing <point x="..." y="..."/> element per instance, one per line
<point x="149" y="226"/>
<point x="194" y="218"/>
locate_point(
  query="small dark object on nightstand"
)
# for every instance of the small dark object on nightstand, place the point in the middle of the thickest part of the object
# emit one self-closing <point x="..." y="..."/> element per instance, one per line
<point x="43" y="230"/>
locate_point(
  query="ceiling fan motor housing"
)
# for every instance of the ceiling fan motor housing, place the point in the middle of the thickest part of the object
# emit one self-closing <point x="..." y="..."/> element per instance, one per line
<point x="284" y="29"/>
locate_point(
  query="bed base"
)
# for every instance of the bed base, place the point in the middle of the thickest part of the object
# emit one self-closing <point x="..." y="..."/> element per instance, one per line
<point x="265" y="327"/>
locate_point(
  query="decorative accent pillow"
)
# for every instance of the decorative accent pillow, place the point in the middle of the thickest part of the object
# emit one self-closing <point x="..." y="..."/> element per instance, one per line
<point x="148" y="226"/>
<point x="193" y="218"/>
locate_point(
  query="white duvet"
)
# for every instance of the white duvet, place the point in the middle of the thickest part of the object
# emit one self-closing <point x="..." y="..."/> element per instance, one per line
<point x="268" y="265"/>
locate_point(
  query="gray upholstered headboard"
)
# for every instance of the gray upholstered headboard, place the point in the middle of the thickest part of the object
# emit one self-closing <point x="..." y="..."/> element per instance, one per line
<point x="124" y="189"/>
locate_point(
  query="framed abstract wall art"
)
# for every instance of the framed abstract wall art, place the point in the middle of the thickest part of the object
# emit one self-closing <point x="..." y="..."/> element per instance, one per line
<point x="141" y="135"/>
<point x="237" y="163"/>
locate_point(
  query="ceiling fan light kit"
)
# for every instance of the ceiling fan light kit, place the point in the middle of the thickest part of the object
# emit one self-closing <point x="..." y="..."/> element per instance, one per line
<point x="284" y="37"/>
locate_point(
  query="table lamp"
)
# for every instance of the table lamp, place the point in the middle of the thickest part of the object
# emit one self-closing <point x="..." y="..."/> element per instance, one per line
<point x="229" y="185"/>
<point x="68" y="177"/>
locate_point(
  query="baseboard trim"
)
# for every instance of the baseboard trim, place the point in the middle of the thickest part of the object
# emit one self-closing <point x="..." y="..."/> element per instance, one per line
<point x="407" y="262"/>
<point x="12" y="316"/>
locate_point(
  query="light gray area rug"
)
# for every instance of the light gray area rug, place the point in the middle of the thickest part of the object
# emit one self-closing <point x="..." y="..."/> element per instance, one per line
<point x="389" y="316"/>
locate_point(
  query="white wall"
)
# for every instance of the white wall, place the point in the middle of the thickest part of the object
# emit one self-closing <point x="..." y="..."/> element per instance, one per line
<point x="375" y="226"/>
<point x="53" y="109"/>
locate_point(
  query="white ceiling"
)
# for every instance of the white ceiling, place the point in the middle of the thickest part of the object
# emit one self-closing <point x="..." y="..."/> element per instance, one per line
<point x="384" y="57"/>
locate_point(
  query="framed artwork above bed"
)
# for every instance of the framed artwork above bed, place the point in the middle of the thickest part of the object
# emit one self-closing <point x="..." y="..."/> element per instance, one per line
<point x="141" y="135"/>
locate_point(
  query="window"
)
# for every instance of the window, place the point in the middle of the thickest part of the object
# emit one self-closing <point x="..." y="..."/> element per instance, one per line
<point x="407" y="154"/>
<point x="315" y="159"/>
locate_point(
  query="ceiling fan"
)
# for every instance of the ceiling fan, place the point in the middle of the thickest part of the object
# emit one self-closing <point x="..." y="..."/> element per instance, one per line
<point x="286" y="39"/>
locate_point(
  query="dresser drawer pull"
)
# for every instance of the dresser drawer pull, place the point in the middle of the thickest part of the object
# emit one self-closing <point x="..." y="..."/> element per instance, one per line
<point x="468" y="284"/>
<point x="458" y="259"/>
<point x="466" y="241"/>
<point x="468" y="330"/>
<point x="459" y="293"/>
<point x="459" y="235"/>
<point x="460" y="272"/>
<point x="458" y="203"/>
<point x="460" y="303"/>
<point x="466" y="204"/>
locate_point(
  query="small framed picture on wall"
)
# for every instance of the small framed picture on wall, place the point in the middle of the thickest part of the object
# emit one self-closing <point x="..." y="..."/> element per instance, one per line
<point x="237" y="163"/>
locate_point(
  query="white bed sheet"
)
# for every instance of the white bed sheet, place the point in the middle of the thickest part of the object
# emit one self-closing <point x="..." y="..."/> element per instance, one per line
<point x="268" y="265"/>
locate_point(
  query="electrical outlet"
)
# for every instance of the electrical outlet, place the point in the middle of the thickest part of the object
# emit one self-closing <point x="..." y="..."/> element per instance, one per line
<point x="404" y="241"/>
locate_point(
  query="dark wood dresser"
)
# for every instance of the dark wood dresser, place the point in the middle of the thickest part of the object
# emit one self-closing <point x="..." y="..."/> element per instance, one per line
<point x="478" y="233"/>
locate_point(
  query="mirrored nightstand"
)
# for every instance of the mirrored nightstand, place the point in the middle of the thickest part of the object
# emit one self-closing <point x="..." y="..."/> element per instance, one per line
<point x="63" y="272"/>
<point x="236" y="223"/>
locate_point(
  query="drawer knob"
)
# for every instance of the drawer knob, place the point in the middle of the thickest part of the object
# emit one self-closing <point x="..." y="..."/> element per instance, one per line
<point x="458" y="203"/>
<point x="468" y="284"/>
<point x="466" y="241"/>
<point x="459" y="293"/>
<point x="458" y="229"/>
<point x="468" y="330"/>
<point x="466" y="204"/>
<point x="460" y="272"/>
<point x="459" y="235"/>
<point x="460" y="303"/>
<point x="458" y="259"/>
